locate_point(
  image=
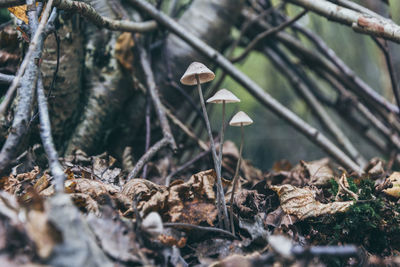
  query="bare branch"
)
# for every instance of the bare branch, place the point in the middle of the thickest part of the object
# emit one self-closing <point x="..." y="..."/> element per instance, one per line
<point x="28" y="83"/>
<point x="6" y="79"/>
<point x="151" y="85"/>
<point x="37" y="41"/>
<point x="266" y="34"/>
<point x="146" y="157"/>
<point x="90" y="13"/>
<point x="47" y="139"/>
<point x="266" y="99"/>
<point x="315" y="105"/>
<point x="363" y="23"/>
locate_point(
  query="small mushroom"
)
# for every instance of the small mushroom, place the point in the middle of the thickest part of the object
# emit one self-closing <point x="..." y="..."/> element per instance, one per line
<point x="223" y="96"/>
<point x="196" y="74"/>
<point x="240" y="119"/>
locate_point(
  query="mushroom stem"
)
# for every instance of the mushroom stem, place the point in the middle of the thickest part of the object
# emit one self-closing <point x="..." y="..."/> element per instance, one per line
<point x="236" y="177"/>
<point x="221" y="205"/>
<point x="221" y="142"/>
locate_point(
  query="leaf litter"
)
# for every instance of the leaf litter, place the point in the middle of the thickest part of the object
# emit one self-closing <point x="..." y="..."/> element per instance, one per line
<point x="280" y="216"/>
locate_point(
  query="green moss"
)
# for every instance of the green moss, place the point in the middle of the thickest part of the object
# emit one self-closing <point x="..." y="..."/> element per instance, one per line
<point x="372" y="222"/>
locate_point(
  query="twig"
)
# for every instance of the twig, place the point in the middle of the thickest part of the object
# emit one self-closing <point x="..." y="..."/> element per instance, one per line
<point x="279" y="60"/>
<point x="37" y="41"/>
<point x="200" y="228"/>
<point x="266" y="34"/>
<point x="47" y="139"/>
<point x="28" y="82"/>
<point x="146" y="157"/>
<point x="6" y="78"/>
<point x="148" y="131"/>
<point x="185" y="129"/>
<point x="375" y="26"/>
<point x="262" y="96"/>
<point x="184" y="166"/>
<point x="151" y="85"/>
<point x="90" y="13"/>
<point x="389" y="63"/>
<point x="339" y="251"/>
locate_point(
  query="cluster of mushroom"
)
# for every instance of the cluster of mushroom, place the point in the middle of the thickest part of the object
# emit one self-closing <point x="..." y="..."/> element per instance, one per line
<point x="196" y="74"/>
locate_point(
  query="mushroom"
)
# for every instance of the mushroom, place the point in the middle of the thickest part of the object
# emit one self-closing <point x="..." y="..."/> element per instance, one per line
<point x="240" y="119"/>
<point x="196" y="74"/>
<point x="222" y="96"/>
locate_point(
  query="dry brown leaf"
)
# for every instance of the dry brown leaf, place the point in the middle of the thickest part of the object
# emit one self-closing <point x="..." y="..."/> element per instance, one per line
<point x="394" y="191"/>
<point x="93" y="188"/>
<point x="85" y="203"/>
<point x="301" y="202"/>
<point x="42" y="183"/>
<point x="123" y="50"/>
<point x="42" y="233"/>
<point x="318" y="171"/>
<point x="189" y="202"/>
<point x="375" y="168"/>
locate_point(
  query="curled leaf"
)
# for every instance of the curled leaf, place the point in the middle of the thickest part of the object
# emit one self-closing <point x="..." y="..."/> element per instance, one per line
<point x="301" y="202"/>
<point x="395" y="190"/>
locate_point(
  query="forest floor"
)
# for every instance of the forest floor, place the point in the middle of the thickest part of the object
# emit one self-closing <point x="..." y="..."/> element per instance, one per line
<point x="311" y="214"/>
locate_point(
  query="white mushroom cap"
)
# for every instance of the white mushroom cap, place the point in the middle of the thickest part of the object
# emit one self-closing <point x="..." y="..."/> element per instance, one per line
<point x="223" y="95"/>
<point x="196" y="68"/>
<point x="240" y="119"/>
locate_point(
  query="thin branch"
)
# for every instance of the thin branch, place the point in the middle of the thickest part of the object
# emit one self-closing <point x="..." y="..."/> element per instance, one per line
<point x="389" y="63"/>
<point x="146" y="157"/>
<point x="90" y="13"/>
<point x="200" y="228"/>
<point x="151" y="85"/>
<point x="266" y="34"/>
<point x="185" y="165"/>
<point x="6" y="78"/>
<point x="262" y="96"/>
<point x="315" y="105"/>
<point x="28" y="83"/>
<point x="47" y="139"/>
<point x="360" y="22"/>
<point x="36" y="41"/>
<point x="148" y="131"/>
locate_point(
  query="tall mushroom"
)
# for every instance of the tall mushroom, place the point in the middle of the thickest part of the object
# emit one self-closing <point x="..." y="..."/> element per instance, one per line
<point x="223" y="96"/>
<point x="196" y="74"/>
<point x="240" y="119"/>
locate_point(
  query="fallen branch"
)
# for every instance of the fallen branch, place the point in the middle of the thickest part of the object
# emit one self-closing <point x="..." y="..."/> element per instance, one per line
<point x="266" y="34"/>
<point x="36" y="41"/>
<point x="310" y="132"/>
<point x="315" y="105"/>
<point x="90" y="13"/>
<point x="47" y="139"/>
<point x="200" y="228"/>
<point x="6" y="79"/>
<point x="146" y="157"/>
<point x="151" y="85"/>
<point x="363" y="23"/>
<point x="28" y="82"/>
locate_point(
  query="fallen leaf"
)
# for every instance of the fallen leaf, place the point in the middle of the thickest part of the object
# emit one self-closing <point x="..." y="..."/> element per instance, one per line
<point x="394" y="191"/>
<point x="301" y="202"/>
<point x="319" y="172"/>
<point x="42" y="183"/>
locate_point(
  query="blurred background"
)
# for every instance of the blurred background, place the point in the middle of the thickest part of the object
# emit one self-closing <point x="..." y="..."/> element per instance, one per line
<point x="270" y="139"/>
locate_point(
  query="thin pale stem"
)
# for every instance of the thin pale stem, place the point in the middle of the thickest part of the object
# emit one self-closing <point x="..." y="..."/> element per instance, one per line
<point x="221" y="142"/>
<point x="236" y="177"/>
<point x="221" y="205"/>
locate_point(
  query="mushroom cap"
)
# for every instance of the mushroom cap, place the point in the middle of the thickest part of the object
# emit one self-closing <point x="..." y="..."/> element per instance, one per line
<point x="223" y="95"/>
<point x="205" y="74"/>
<point x="240" y="119"/>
